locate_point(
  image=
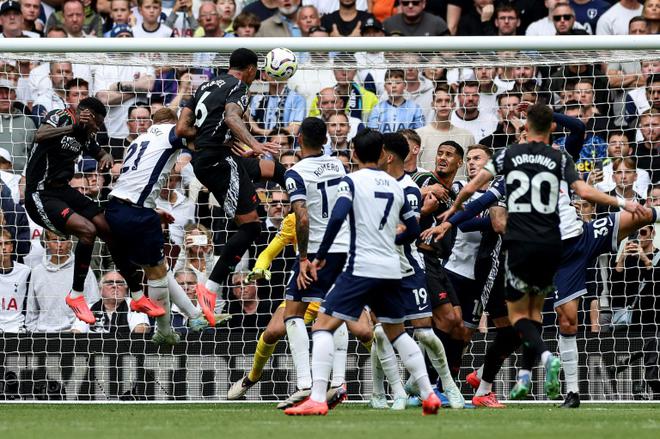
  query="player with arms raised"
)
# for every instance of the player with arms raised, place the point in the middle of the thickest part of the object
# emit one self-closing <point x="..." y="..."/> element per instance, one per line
<point x="136" y="223"/>
<point x="56" y="206"/>
<point x="533" y="173"/>
<point x="213" y="120"/>
<point x="372" y="274"/>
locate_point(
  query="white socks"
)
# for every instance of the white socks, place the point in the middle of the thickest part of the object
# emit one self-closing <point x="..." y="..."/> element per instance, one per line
<point x="436" y="352"/>
<point x="341" y="351"/>
<point x="214" y="287"/>
<point x="388" y="362"/>
<point x="136" y="295"/>
<point x="569" y="362"/>
<point x="75" y="294"/>
<point x="413" y="359"/>
<point x="545" y="356"/>
<point x="321" y="362"/>
<point x="484" y="388"/>
<point x="377" y="374"/>
<point x="480" y="371"/>
<point x="299" y="346"/>
<point x="158" y="292"/>
<point x="180" y="298"/>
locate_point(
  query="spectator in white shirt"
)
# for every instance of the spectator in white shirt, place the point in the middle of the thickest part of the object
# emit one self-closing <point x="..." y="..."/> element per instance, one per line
<point x="13" y="286"/>
<point x="119" y="87"/>
<point x="545" y="26"/>
<point x="51" y="281"/>
<point x="11" y="179"/>
<point x="197" y="254"/>
<point x="60" y="74"/>
<point x="440" y="129"/>
<point x="178" y="205"/>
<point x="151" y="26"/>
<point x="468" y="116"/>
<point x="113" y="312"/>
<point x="615" y="21"/>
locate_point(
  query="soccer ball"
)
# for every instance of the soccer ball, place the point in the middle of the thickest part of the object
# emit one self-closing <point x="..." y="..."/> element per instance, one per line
<point x="281" y="64"/>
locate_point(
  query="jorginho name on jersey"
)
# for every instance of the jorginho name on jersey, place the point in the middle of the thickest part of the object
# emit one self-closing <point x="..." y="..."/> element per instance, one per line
<point x="315" y="180"/>
<point x="411" y="261"/>
<point x="148" y="163"/>
<point x="377" y="203"/>
<point x="533" y="173"/>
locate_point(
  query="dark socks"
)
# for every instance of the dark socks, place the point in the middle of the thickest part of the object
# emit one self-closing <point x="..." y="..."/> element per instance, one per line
<point x="233" y="251"/>
<point x="83" y="257"/>
<point x="506" y="342"/>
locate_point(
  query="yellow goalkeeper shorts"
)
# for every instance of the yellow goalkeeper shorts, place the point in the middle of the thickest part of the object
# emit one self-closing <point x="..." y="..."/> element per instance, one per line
<point x="310" y="314"/>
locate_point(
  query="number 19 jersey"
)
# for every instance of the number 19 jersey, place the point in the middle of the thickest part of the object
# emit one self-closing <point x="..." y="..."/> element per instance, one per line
<point x="315" y="180"/>
<point x="378" y="203"/>
<point x="533" y="173"/>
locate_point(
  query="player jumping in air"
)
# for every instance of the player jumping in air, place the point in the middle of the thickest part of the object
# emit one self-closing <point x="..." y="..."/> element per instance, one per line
<point x="136" y="223"/>
<point x="213" y="120"/>
<point x="56" y="206"/>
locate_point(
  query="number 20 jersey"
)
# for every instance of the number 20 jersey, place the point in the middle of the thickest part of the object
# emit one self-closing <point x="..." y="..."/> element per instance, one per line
<point x="533" y="173"/>
<point x="315" y="180"/>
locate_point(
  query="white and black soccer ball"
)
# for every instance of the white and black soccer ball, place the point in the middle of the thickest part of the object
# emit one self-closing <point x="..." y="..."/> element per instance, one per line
<point x="281" y="64"/>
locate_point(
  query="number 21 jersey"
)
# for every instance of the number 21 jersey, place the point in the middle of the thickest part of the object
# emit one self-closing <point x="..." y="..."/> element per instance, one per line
<point x="533" y="173"/>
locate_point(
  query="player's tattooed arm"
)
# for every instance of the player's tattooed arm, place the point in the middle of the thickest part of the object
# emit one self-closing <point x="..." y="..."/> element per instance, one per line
<point x="185" y="126"/>
<point x="498" y="217"/>
<point x="234" y="120"/>
<point x="307" y="270"/>
<point x="302" y="226"/>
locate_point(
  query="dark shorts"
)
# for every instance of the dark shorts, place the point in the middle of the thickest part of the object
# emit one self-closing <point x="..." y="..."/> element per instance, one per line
<point x="229" y="178"/>
<point x="350" y="294"/>
<point x="489" y="273"/>
<point x="51" y="208"/>
<point x="530" y="268"/>
<point x="580" y="253"/>
<point x="416" y="302"/>
<point x="334" y="264"/>
<point x="469" y="295"/>
<point x="438" y="285"/>
<point x="137" y="232"/>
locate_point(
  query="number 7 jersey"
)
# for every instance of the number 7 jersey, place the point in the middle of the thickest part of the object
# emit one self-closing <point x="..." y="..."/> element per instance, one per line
<point x="315" y="180"/>
<point x="533" y="173"/>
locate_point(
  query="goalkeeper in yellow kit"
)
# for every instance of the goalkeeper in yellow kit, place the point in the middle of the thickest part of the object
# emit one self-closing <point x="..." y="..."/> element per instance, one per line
<point x="276" y="329"/>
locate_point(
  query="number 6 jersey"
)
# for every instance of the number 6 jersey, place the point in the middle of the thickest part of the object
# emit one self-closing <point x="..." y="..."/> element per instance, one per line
<point x="533" y="173"/>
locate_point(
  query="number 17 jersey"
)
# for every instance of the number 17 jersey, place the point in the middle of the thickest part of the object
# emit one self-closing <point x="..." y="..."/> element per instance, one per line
<point x="315" y="180"/>
<point x="533" y="173"/>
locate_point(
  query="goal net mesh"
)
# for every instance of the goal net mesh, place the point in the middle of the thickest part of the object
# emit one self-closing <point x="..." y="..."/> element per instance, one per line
<point x="46" y="355"/>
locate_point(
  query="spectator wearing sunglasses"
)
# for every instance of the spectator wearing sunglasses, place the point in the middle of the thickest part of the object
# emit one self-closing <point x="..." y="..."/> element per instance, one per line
<point x="563" y="18"/>
<point x="546" y="25"/>
<point x="413" y="21"/>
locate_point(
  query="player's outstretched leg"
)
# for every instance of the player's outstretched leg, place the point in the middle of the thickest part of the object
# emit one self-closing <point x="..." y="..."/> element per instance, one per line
<point x="506" y="342"/>
<point x="436" y="354"/>
<point x="85" y="230"/>
<point x="265" y="346"/>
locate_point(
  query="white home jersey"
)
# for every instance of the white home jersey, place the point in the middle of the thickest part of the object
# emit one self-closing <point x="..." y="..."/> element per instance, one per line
<point x="315" y="180"/>
<point x="570" y="224"/>
<point x="378" y="203"/>
<point x="411" y="261"/>
<point x="13" y="288"/>
<point x="147" y="164"/>
<point x="464" y="253"/>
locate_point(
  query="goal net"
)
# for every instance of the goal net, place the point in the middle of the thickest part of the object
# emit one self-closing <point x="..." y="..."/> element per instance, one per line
<point x="460" y="89"/>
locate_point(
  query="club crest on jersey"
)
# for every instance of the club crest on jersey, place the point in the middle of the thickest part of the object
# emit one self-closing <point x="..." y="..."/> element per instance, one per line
<point x="591" y="13"/>
<point x="291" y="185"/>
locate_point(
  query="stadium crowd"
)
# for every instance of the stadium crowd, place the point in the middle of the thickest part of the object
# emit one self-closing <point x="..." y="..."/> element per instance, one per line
<point x="617" y="106"/>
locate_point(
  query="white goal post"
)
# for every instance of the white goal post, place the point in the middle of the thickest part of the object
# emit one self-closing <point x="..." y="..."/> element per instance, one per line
<point x="616" y="362"/>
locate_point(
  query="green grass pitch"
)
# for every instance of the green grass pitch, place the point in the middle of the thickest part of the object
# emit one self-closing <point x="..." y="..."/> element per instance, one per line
<point x="246" y="421"/>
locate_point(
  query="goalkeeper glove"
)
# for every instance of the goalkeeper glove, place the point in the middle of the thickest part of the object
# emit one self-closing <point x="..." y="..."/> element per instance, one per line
<point x="257" y="274"/>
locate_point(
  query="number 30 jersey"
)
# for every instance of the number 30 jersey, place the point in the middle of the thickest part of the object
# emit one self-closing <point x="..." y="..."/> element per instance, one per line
<point x="378" y="205"/>
<point x="147" y="164"/>
<point x="533" y="173"/>
<point x="315" y="180"/>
